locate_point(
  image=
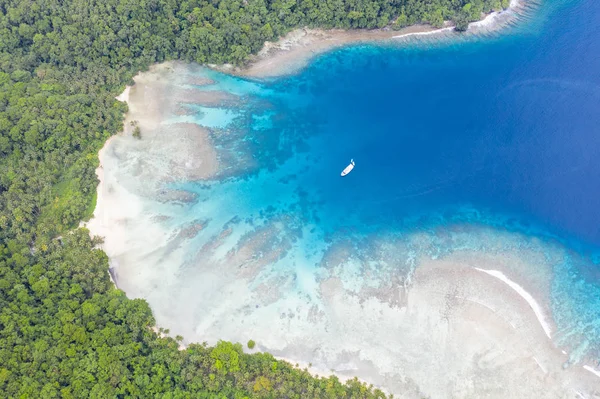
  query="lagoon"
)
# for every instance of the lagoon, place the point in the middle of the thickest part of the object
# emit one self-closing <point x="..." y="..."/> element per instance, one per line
<point x="458" y="256"/>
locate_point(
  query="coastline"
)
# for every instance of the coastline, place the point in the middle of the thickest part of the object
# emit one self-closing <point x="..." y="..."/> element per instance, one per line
<point x="295" y="50"/>
<point x="96" y="225"/>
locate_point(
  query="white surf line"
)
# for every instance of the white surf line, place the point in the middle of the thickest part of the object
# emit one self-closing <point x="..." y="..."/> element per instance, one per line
<point x="431" y="32"/>
<point x="539" y="364"/>
<point x="580" y="394"/>
<point x="482" y="304"/>
<point x="592" y="370"/>
<point x="537" y="309"/>
<point x="487" y="21"/>
<point x="124" y="97"/>
<point x="491" y="17"/>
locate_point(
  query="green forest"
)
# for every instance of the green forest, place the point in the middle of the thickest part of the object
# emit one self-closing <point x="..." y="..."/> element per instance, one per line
<point x="65" y="331"/>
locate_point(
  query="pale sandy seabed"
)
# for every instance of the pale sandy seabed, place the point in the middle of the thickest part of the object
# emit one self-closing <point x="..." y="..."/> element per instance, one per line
<point x="463" y="324"/>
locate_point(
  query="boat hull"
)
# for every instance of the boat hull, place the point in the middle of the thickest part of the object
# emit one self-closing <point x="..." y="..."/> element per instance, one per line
<point x="348" y="169"/>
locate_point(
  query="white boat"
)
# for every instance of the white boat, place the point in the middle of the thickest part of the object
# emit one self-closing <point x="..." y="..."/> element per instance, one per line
<point x="348" y="168"/>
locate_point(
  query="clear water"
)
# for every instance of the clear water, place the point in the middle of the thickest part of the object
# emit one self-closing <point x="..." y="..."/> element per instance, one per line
<point x="495" y="132"/>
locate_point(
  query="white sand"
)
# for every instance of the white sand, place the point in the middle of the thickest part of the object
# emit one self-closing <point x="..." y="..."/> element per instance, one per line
<point x="185" y="150"/>
<point x="592" y="370"/>
<point x="97" y="223"/>
<point x="539" y="314"/>
<point x="124" y="97"/>
<point x="424" y="33"/>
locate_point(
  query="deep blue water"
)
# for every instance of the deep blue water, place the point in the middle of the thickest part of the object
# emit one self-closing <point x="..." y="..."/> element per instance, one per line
<point x="508" y="124"/>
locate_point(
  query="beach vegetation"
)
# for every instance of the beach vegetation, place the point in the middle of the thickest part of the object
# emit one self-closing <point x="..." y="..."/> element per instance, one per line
<point x="65" y="330"/>
<point x="251" y="344"/>
<point x="262" y="383"/>
<point x="137" y="133"/>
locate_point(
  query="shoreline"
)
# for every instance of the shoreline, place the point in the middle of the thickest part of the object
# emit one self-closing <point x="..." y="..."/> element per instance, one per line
<point x="95" y="225"/>
<point x="319" y="372"/>
<point x="294" y="51"/>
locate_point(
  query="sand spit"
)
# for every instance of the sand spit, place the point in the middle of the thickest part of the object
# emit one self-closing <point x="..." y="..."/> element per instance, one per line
<point x="124" y="97"/>
<point x="592" y="370"/>
<point x="525" y="295"/>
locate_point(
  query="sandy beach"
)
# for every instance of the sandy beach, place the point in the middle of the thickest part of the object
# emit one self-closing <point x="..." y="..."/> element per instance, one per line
<point x="295" y="50"/>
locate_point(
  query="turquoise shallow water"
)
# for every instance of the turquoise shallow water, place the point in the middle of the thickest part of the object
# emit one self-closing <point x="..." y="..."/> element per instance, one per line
<point x="496" y="132"/>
